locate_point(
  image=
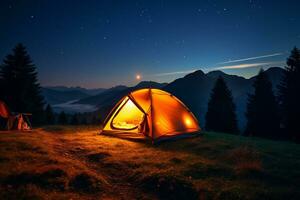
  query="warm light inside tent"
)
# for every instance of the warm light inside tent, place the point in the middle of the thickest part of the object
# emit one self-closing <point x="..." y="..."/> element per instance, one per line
<point x="187" y="122"/>
<point x="129" y="117"/>
<point x="153" y="112"/>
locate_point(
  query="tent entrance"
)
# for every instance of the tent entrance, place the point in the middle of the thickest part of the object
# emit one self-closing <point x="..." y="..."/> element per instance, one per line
<point x="128" y="116"/>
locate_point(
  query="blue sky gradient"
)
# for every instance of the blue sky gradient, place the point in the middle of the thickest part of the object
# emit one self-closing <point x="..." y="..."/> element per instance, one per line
<point x="106" y="43"/>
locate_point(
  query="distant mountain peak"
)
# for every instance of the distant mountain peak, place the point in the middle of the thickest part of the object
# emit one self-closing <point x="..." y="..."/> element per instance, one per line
<point x="117" y="87"/>
<point x="216" y="73"/>
<point x="146" y="84"/>
<point x="195" y="74"/>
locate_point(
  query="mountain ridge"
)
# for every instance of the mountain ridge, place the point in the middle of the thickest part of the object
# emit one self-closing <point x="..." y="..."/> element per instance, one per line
<point x="193" y="89"/>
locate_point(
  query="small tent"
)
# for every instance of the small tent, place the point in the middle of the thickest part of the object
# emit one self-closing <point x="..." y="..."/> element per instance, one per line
<point x="10" y="121"/>
<point x="155" y="113"/>
<point x="4" y="111"/>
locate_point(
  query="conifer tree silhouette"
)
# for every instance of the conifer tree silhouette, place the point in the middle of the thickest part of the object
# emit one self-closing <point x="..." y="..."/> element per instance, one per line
<point x="221" y="114"/>
<point x="289" y="96"/>
<point x="262" y="109"/>
<point x="20" y="87"/>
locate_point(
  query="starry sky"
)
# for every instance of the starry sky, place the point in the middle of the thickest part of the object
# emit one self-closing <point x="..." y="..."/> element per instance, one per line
<point x="106" y="43"/>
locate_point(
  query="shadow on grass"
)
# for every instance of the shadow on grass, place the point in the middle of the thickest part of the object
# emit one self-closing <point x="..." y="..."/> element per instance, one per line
<point x="54" y="179"/>
<point x="167" y="187"/>
<point x="85" y="183"/>
<point x="203" y="171"/>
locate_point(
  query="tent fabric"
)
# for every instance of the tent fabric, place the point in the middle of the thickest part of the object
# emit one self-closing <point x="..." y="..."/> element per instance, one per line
<point x="4" y="111"/>
<point x="11" y="121"/>
<point x="153" y="112"/>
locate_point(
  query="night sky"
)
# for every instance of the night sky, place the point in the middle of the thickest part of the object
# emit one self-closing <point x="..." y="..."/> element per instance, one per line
<point x="107" y="43"/>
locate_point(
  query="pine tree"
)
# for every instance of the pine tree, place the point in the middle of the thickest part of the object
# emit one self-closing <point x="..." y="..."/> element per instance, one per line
<point x="49" y="115"/>
<point x="22" y="91"/>
<point x="289" y="96"/>
<point x="62" y="118"/>
<point x="262" y="109"/>
<point x="74" y="120"/>
<point x="221" y="115"/>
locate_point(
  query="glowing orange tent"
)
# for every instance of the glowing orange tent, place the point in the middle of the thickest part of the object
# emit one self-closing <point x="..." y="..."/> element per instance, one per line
<point x="13" y="121"/>
<point x="155" y="113"/>
<point x="4" y="111"/>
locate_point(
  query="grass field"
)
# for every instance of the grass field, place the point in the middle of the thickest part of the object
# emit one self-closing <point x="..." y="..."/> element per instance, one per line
<point x="76" y="163"/>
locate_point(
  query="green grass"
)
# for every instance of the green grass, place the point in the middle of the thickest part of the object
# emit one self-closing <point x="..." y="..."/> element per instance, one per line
<point x="63" y="162"/>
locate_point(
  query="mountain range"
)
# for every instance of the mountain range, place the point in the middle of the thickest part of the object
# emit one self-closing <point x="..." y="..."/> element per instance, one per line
<point x="193" y="89"/>
<point x="61" y="94"/>
<point x="81" y="89"/>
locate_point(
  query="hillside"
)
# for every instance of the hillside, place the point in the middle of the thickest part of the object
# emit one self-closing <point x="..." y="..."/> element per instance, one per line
<point x="76" y="163"/>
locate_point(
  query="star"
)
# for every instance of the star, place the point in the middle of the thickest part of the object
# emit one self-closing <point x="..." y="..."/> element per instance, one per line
<point x="104" y="38"/>
<point x="32" y="16"/>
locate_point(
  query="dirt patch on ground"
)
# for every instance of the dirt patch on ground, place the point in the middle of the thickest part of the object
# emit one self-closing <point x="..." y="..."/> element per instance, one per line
<point x="176" y="160"/>
<point x="168" y="187"/>
<point x="85" y="183"/>
<point x="203" y="171"/>
<point x="97" y="157"/>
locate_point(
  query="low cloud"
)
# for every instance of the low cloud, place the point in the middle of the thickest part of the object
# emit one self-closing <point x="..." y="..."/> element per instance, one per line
<point x="252" y="58"/>
<point x="248" y="65"/>
<point x="239" y="66"/>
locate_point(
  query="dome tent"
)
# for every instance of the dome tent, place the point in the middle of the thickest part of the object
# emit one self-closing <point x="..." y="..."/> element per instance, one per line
<point x="153" y="112"/>
<point x="13" y="121"/>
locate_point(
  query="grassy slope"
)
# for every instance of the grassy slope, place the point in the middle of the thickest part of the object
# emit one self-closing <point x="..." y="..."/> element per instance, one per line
<point x="75" y="162"/>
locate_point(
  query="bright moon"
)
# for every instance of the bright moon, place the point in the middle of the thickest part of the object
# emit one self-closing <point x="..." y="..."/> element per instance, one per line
<point x="138" y="77"/>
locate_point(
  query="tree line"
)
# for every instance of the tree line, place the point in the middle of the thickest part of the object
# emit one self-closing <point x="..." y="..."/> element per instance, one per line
<point x="21" y="91"/>
<point x="268" y="116"/>
<point x="63" y="118"/>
